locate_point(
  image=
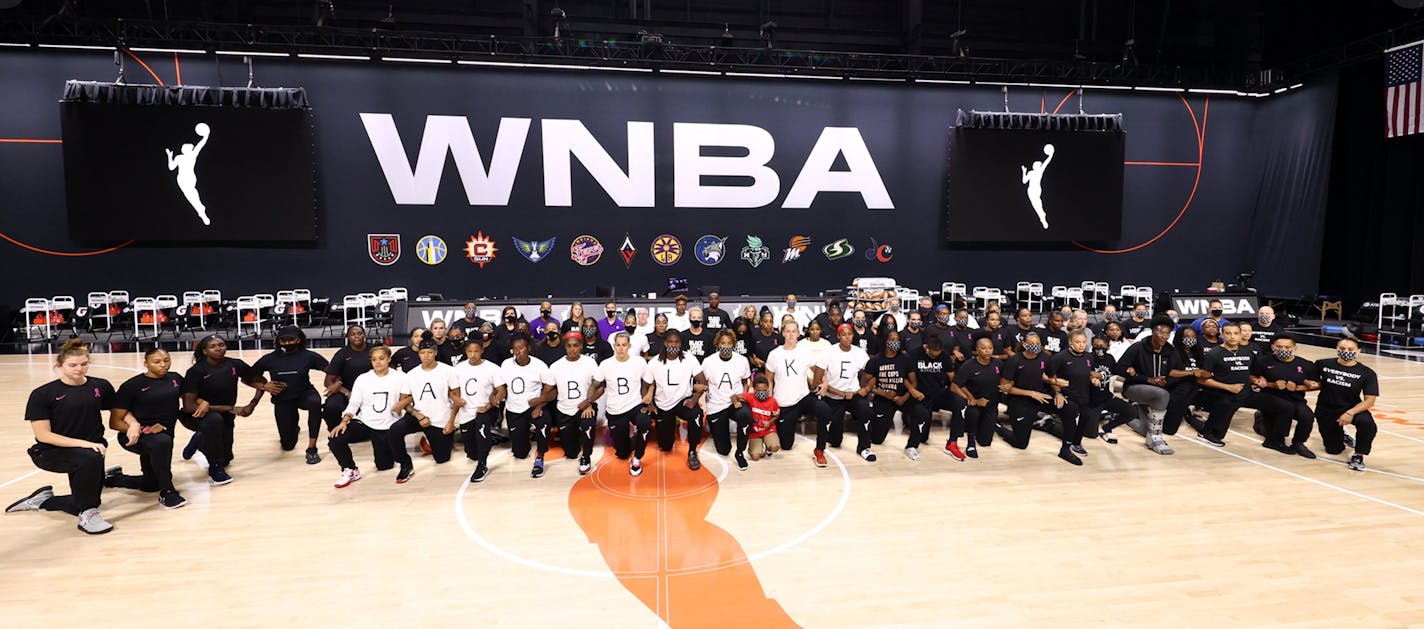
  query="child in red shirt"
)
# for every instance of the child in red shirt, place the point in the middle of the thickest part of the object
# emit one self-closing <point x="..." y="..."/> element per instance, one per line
<point x="761" y="437"/>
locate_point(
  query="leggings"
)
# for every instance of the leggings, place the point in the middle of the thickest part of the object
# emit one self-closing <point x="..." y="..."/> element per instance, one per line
<point x="830" y="430"/>
<point x="288" y="414"/>
<point x="1280" y="410"/>
<point x="1333" y="434"/>
<point x="978" y="423"/>
<point x="791" y="414"/>
<point x="523" y="427"/>
<point x="1023" y="412"/>
<point x="721" y="432"/>
<point x="575" y="432"/>
<point x="215" y="430"/>
<point x="630" y="432"/>
<point x="381" y="445"/>
<point x="477" y="435"/>
<point x="915" y="415"/>
<point x="441" y="444"/>
<point x="85" y="468"/>
<point x="666" y="420"/>
<point x="155" y="456"/>
<point x="1091" y="415"/>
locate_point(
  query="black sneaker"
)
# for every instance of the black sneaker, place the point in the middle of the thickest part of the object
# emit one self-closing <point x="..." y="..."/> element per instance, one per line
<point x="219" y="475"/>
<point x="111" y="474"/>
<point x="741" y="462"/>
<point x="972" y="450"/>
<point x="312" y="457"/>
<point x="1357" y="462"/>
<point x="404" y="475"/>
<point x="1196" y="422"/>
<point x="1259" y="424"/>
<point x="692" y="462"/>
<point x="1206" y="438"/>
<point x="194" y="442"/>
<point x="538" y="470"/>
<point x="1066" y="453"/>
<point x="1279" y="447"/>
<point x="171" y="499"/>
<point x="1303" y="451"/>
<point x="481" y="471"/>
<point x="1349" y="439"/>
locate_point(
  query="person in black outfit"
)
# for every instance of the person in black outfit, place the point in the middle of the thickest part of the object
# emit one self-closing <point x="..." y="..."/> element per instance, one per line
<point x="1187" y="345"/>
<point x="1028" y="385"/>
<point x="999" y="337"/>
<point x="552" y="346"/>
<point x="469" y="324"/>
<point x="761" y="341"/>
<point x="913" y="336"/>
<point x="508" y="325"/>
<point x="64" y="414"/>
<point x="893" y="388"/>
<point x="824" y="318"/>
<point x="933" y="367"/>
<point x="145" y="412"/>
<point x="1102" y="404"/>
<point x="1138" y="323"/>
<point x="1055" y="337"/>
<point x="292" y="390"/>
<point x="348" y="364"/>
<point x="979" y="381"/>
<point x="1156" y="379"/>
<point x="716" y="317"/>
<point x="1265" y="332"/>
<point x="594" y="346"/>
<point x="1285" y="378"/>
<point x="445" y="346"/>
<point x="1225" y="378"/>
<point x="210" y="407"/>
<point x="497" y="350"/>
<point x="1072" y="374"/>
<point x="1348" y="391"/>
<point x="654" y="347"/>
<point x="1022" y="328"/>
<point x="407" y="358"/>
<point x="864" y="337"/>
<point x="696" y="339"/>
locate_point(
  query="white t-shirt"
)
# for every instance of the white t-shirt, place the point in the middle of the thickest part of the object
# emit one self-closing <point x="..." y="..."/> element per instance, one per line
<point x="672" y="381"/>
<point x="638" y="341"/>
<point x="792" y="368"/>
<point x="623" y="383"/>
<point x="678" y="322"/>
<point x="431" y="391"/>
<point x="477" y="383"/>
<point x="817" y="348"/>
<point x="801" y="315"/>
<point x="372" y="398"/>
<point x="725" y="378"/>
<point x="573" y="381"/>
<point x="521" y="383"/>
<point x="843" y="367"/>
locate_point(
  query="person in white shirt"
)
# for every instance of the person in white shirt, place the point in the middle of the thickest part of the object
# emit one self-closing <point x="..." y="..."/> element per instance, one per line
<point x="575" y="413"/>
<point x="802" y="316"/>
<point x="815" y="341"/>
<point x="637" y="341"/>
<point x="791" y="369"/>
<point x="478" y="380"/>
<point x="625" y="394"/>
<point x="678" y="319"/>
<point x="522" y="386"/>
<point x="843" y="386"/>
<point x="678" y="385"/>
<point x="644" y="327"/>
<point x="728" y="375"/>
<point x="372" y="407"/>
<point x="433" y="396"/>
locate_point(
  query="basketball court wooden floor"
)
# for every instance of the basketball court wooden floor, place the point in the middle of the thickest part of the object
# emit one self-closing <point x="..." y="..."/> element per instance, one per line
<point x="1240" y="536"/>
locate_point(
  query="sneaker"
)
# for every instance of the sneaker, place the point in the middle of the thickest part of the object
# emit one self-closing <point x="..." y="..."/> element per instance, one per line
<point x="111" y="474"/>
<point x="972" y="451"/>
<point x="1196" y="422"/>
<point x="1357" y="462"/>
<point x="1350" y="440"/>
<point x="219" y="476"/>
<point x="94" y="524"/>
<point x="171" y="499"/>
<point x="538" y="470"/>
<point x="693" y="463"/>
<point x="766" y="453"/>
<point x="912" y="453"/>
<point x="1206" y="438"/>
<point x="867" y="455"/>
<point x="1303" y="451"/>
<point x="348" y="475"/>
<point x="952" y="449"/>
<point x="1159" y="445"/>
<point x="481" y="472"/>
<point x="741" y="461"/>
<point x="1066" y="453"/>
<point x="820" y="457"/>
<point x="1278" y="447"/>
<point x="1108" y="437"/>
<point x="584" y="465"/>
<point x="36" y="498"/>
<point x="1078" y="450"/>
<point x="194" y="442"/>
<point x="424" y="445"/>
<point x="312" y="457"/>
<point x="404" y="475"/>
<point x="635" y="467"/>
<point x="1259" y="424"/>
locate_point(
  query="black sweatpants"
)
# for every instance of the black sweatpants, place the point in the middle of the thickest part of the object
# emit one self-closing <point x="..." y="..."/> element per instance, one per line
<point x="978" y="423"/>
<point x="630" y="431"/>
<point x="575" y="433"/>
<point x="1023" y="412"/>
<point x="744" y="419"/>
<point x="1221" y="406"/>
<point x="85" y="468"/>
<point x="1280" y="410"/>
<point x="523" y="427"/>
<point x="1091" y="416"/>
<point x="831" y="428"/>
<point x="288" y="414"/>
<point x="791" y="415"/>
<point x="1333" y="434"/>
<point x="666" y="420"/>
<point x="216" y="430"/>
<point x="1181" y="396"/>
<point x="882" y="412"/>
<point x="356" y="431"/>
<point x="441" y="444"/>
<point x="720" y="430"/>
<point x="155" y="457"/>
<point x="333" y="408"/>
<point x="478" y="436"/>
<point x="945" y="400"/>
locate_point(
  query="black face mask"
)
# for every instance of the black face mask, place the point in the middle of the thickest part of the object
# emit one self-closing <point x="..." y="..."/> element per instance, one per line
<point x="1216" y="313"/>
<point x="860" y="324"/>
<point x="696" y="323"/>
<point x="551" y="334"/>
<point x="511" y="318"/>
<point x="1099" y="352"/>
<point x="546" y="313"/>
<point x="611" y="313"/>
<point x="291" y="348"/>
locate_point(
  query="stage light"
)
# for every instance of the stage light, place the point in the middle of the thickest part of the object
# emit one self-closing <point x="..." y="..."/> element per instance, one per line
<point x="561" y="22"/>
<point x="726" y="39"/>
<point x="960" y="48"/>
<point x="768" y="33"/>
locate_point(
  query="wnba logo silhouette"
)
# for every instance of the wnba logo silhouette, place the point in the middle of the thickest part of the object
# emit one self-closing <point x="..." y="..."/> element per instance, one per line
<point x="186" y="162"/>
<point x="1034" y="178"/>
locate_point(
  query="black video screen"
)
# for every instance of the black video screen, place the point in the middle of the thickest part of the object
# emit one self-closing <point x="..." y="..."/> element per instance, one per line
<point x="158" y="173"/>
<point x="1034" y="186"/>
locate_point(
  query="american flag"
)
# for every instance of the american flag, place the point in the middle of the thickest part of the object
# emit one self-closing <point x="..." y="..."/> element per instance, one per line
<point x="1404" y="90"/>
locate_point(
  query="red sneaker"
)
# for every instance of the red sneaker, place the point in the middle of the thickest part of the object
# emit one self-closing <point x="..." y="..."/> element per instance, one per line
<point x="820" y="457"/>
<point x="952" y="448"/>
<point x="424" y="445"/>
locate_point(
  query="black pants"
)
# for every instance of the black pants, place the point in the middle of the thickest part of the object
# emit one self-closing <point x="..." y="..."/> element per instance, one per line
<point x="1063" y="426"/>
<point x="441" y="444"/>
<point x="630" y="432"/>
<point x="831" y="428"/>
<point x="791" y="414"/>
<point x="216" y="430"/>
<point x="945" y="400"/>
<point x="381" y="446"/>
<point x="288" y="413"/>
<point x="478" y="436"/>
<point x="915" y="415"/>
<point x="978" y="423"/>
<point x="85" y="468"/>
<point x="1279" y="411"/>
<point x="575" y="433"/>
<point x="1182" y="394"/>
<point x="332" y="409"/>
<point x="1221" y="406"/>
<point x="718" y="427"/>
<point x="1024" y="411"/>
<point x="744" y="419"/>
<point x="523" y="427"/>
<point x="155" y="457"/>
<point x="666" y="420"/>
<point x="1089" y="420"/>
<point x="1333" y="434"/>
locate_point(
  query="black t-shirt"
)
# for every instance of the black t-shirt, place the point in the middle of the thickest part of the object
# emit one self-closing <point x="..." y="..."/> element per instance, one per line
<point x="1191" y="360"/>
<point x="828" y="331"/>
<point x="1105" y="365"/>
<point x="1027" y="373"/>
<point x="761" y="345"/>
<point x="869" y="342"/>
<point x="655" y="344"/>
<point x="496" y="351"/>
<point x="998" y="337"/>
<point x="217" y="384"/>
<point x="291" y="369"/>
<point x="982" y="381"/>
<point x="931" y="372"/>
<point x="1341" y="386"/>
<point x="569" y="325"/>
<point x="1077" y="370"/>
<point x="548" y="354"/>
<point x="1263" y="335"/>
<point x="954" y="336"/>
<point x="891" y="374"/>
<point x="1228" y="366"/>
<point x="404" y="359"/>
<point x="697" y="345"/>
<point x="469" y="327"/>
<point x="1206" y="344"/>
<point x="447" y="352"/>
<point x="1053" y="341"/>
<point x="1019" y="334"/>
<point x="717" y="319"/>
<point x="72" y="411"/>
<point x="1131" y="328"/>
<point x="911" y="341"/>
<point x="151" y="400"/>
<point x="1298" y="370"/>
<point x="599" y="351"/>
<point x="348" y="364"/>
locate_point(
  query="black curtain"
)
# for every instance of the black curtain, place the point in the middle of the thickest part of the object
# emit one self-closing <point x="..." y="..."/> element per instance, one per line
<point x="123" y="94"/>
<point x="1373" y="218"/>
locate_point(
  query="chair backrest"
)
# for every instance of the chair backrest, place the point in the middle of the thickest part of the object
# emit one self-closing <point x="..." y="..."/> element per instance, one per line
<point x="1388" y="299"/>
<point x="302" y="294"/>
<point x="36" y="304"/>
<point x="385" y="294"/>
<point x="351" y="301"/>
<point x="118" y="297"/>
<point x="400" y="293"/>
<point x="145" y="303"/>
<point x="1023" y="286"/>
<point x="97" y="300"/>
<point x="248" y="302"/>
<point x="192" y="297"/>
<point x="212" y="295"/>
<point x="1127" y="290"/>
<point x="1102" y="287"/>
<point x="167" y="301"/>
<point x="266" y="300"/>
<point x="1060" y="292"/>
<point x="62" y="302"/>
<point x="369" y="299"/>
<point x="286" y="296"/>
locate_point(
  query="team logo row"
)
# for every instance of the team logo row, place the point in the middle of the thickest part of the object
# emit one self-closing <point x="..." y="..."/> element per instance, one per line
<point x="665" y="250"/>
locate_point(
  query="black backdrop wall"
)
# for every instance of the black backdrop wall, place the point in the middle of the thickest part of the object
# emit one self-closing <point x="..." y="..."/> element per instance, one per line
<point x="1199" y="186"/>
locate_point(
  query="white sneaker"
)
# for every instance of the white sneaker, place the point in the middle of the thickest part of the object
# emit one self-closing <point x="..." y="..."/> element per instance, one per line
<point x="635" y="468"/>
<point x="913" y="453"/>
<point x="94" y="524"/>
<point x="201" y="460"/>
<point x="867" y="455"/>
<point x="348" y="475"/>
<point x="33" y="501"/>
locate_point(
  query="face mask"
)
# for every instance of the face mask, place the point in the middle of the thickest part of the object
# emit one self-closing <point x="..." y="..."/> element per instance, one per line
<point x="893" y="346"/>
<point x="589" y="332"/>
<point x="790" y="304"/>
<point x="545" y="312"/>
<point x="1266" y="319"/>
<point x="944" y="319"/>
<point x="1099" y="352"/>
<point x="1190" y="342"/>
<point x="1347" y="355"/>
<point x="859" y="323"/>
<point x="511" y="318"/>
<point x="696" y="323"/>
<point x="469" y="314"/>
<point x="1032" y="348"/>
<point x="762" y="396"/>
<point x="961" y="322"/>
<point x="290" y="349"/>
<point x="1111" y="316"/>
<point x="1216" y="313"/>
<point x="674" y="351"/>
<point x="1174" y="319"/>
<point x="551" y="334"/>
<point x="725" y="352"/>
<point x="611" y="313"/>
<point x="1139" y="315"/>
<point x="915" y="325"/>
<point x="1283" y="354"/>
